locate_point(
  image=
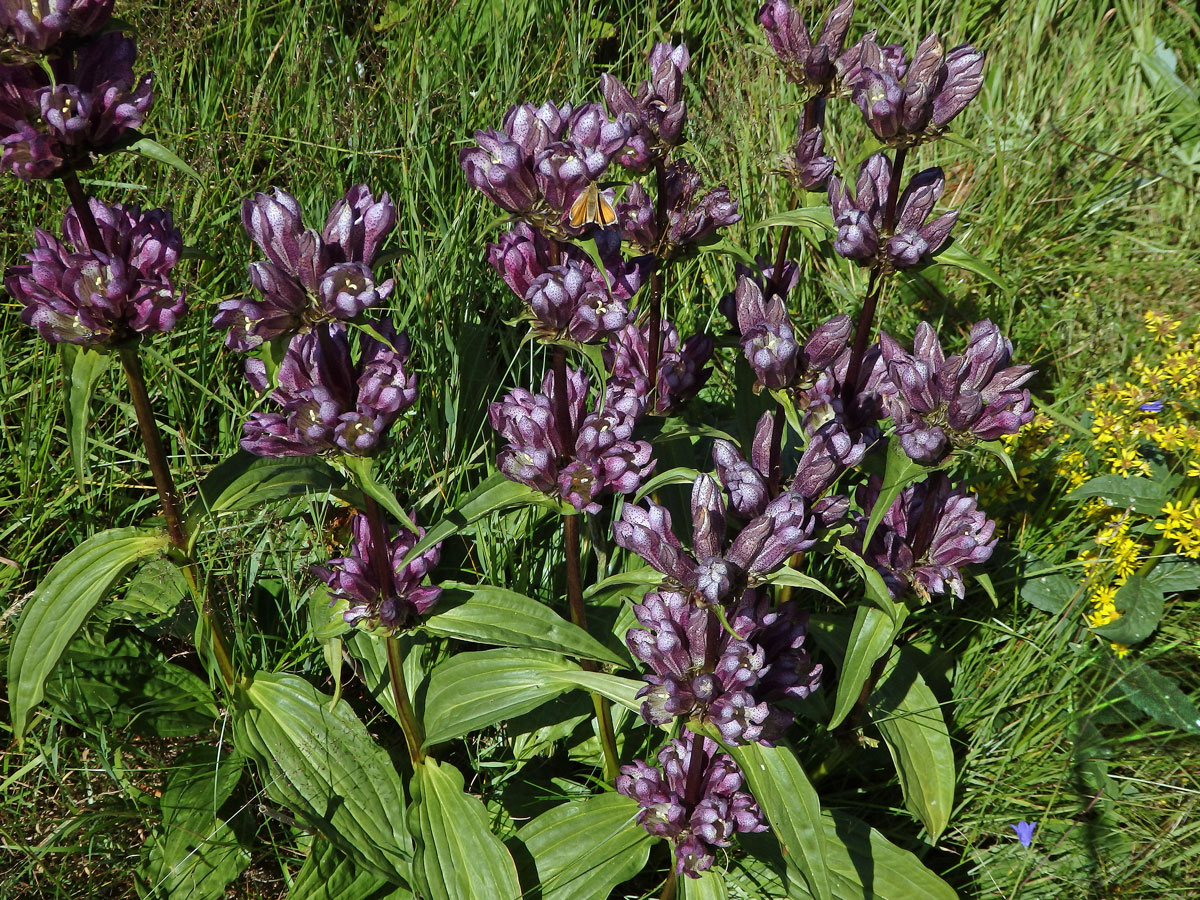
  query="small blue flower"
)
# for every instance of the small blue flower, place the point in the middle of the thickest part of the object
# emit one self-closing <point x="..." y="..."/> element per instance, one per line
<point x="1152" y="407"/>
<point x="1024" y="832"/>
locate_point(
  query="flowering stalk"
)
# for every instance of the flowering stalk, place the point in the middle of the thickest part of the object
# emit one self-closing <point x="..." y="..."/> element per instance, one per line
<point x="656" y="277"/>
<point x="862" y="334"/>
<point x="414" y="734"/>
<point x="608" y="739"/>
<point x="132" y="364"/>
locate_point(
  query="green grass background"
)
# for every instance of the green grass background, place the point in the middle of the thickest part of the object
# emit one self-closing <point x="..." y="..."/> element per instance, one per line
<point x="1076" y="173"/>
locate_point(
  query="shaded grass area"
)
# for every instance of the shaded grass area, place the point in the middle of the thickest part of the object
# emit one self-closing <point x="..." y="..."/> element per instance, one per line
<point x="1076" y="172"/>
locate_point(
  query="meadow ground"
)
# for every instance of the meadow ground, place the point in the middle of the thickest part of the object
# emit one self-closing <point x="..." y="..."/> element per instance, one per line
<point x="1077" y="171"/>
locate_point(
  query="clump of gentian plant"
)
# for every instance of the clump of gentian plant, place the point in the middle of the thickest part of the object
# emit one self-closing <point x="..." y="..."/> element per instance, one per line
<point x="844" y="490"/>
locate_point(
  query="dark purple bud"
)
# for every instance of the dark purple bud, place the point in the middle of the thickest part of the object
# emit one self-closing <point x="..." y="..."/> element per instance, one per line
<point x="881" y="98"/>
<point x="830" y="451"/>
<point x="94" y="296"/>
<point x="708" y="517"/>
<point x="394" y="605"/>
<point x="746" y="487"/>
<point x="681" y="369"/>
<point x="647" y="532"/>
<point x="498" y="167"/>
<point x="274" y="224"/>
<point x="635" y="216"/>
<point x="808" y="165"/>
<point x="962" y="82"/>
<point x="857" y="238"/>
<point x="358" y="225"/>
<point x="826" y="342"/>
<point x="569" y="302"/>
<point x="918" y="199"/>
<point x="806" y="61"/>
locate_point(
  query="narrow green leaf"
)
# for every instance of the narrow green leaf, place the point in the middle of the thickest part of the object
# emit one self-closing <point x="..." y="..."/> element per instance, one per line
<point x="363" y="470"/>
<point x="157" y="152"/>
<point x="873" y="583"/>
<point x="582" y="849"/>
<point x="495" y="493"/>
<point x="899" y="473"/>
<point x="82" y="369"/>
<point x="470" y="691"/>
<point x="59" y="606"/>
<point x="456" y="855"/>
<point x="1140" y="603"/>
<point x="813" y="218"/>
<point x="328" y="874"/>
<point x="996" y="449"/>
<point x="709" y="886"/>
<point x="908" y="716"/>
<point x="956" y="256"/>
<point x="1143" y="495"/>
<point x="618" y="690"/>
<point x="792" y="578"/>
<point x="870" y="639"/>
<point x="727" y="247"/>
<point x="864" y="865"/>
<point x="1159" y="696"/>
<point x="678" y="475"/>
<point x="793" y="808"/>
<point x="486" y="614"/>
<point x="245" y="481"/>
<point x="321" y="763"/>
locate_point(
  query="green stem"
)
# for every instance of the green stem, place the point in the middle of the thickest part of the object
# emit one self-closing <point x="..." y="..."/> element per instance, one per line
<point x="131" y="362"/>
<point x="608" y="738"/>
<point x="414" y="734"/>
<point x="671" y="884"/>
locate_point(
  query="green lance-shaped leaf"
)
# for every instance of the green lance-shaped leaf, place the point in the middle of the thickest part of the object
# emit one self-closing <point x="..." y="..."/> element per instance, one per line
<point x="864" y="865"/>
<point x="899" y="472"/>
<point x="1158" y="695"/>
<point x="486" y="614"/>
<point x="456" y="856"/>
<point x="709" y="886"/>
<point x="1140" y="603"/>
<point x="195" y="852"/>
<point x="677" y="475"/>
<point x="908" y="716"/>
<point x="157" y="152"/>
<point x="363" y="470"/>
<point x="873" y="584"/>
<point x="328" y="874"/>
<point x="82" y="369"/>
<point x="321" y="763"/>
<point x="793" y="808"/>
<point x="813" y="218"/>
<point x="870" y="639"/>
<point x="245" y="481"/>
<point x="582" y="849"/>
<point x="956" y="256"/>
<point x="470" y="691"/>
<point x="59" y="606"/>
<point x="1143" y="495"/>
<point x="495" y="493"/>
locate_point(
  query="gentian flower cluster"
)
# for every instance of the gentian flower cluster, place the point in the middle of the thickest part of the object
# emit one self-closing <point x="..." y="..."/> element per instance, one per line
<point x="397" y="601"/>
<point x="681" y="369"/>
<point x="579" y="460"/>
<point x="807" y="60"/>
<point x="30" y="28"/>
<point x="102" y="296"/>
<point x="85" y="101"/>
<point x="941" y="402"/>
<point x="906" y="102"/>
<point x="768" y="339"/>
<point x="907" y="241"/>
<point x="330" y="403"/>
<point x="308" y="277"/>
<point x="657" y="112"/>
<point x="700" y="671"/>
<point x="696" y="822"/>
<point x="925" y="537"/>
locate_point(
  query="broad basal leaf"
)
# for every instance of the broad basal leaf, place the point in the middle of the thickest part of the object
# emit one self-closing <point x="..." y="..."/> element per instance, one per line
<point x="59" y="606"/>
<point x="582" y="849"/>
<point x="864" y="865"/>
<point x="82" y="368"/>
<point x="328" y="874"/>
<point x="195" y="852"/>
<point x="709" y="886"/>
<point x="486" y="614"/>
<point x="1140" y="602"/>
<point x="321" y="764"/>
<point x="793" y="808"/>
<point x="456" y="856"/>
<point x="910" y="719"/>
<point x="870" y="639"/>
